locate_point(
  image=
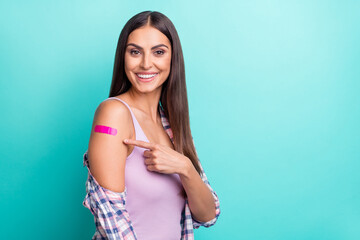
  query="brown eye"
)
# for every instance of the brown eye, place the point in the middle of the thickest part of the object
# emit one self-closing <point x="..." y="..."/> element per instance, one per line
<point x="134" y="52"/>
<point x="159" y="52"/>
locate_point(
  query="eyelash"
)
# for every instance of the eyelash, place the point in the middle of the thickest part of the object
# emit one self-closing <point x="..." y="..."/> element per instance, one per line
<point x="162" y="52"/>
<point x="132" y="52"/>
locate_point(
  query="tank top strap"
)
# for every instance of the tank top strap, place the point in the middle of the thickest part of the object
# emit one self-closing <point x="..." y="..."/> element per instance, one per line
<point x="140" y="135"/>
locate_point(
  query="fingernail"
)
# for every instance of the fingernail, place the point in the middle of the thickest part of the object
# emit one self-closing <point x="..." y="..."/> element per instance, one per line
<point x="126" y="141"/>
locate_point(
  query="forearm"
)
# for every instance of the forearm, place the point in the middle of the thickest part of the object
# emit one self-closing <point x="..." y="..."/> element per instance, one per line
<point x="200" y="198"/>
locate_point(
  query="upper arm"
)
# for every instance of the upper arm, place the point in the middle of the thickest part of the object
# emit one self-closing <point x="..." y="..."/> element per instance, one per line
<point x="107" y="153"/>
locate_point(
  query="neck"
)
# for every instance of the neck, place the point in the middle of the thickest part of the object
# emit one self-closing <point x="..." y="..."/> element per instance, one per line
<point x="146" y="102"/>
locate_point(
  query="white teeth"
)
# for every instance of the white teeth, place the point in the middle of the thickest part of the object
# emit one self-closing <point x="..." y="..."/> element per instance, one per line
<point x="146" y="75"/>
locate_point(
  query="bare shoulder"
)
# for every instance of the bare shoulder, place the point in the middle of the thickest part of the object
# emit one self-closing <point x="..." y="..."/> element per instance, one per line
<point x="107" y="153"/>
<point x="112" y="111"/>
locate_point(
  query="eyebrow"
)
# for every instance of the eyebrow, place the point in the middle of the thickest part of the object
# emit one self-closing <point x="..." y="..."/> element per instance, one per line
<point x="135" y="45"/>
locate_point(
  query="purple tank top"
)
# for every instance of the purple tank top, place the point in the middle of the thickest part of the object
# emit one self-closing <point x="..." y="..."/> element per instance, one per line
<point x="154" y="200"/>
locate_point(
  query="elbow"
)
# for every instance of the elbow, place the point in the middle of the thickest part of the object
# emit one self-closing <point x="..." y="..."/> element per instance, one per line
<point x="209" y="220"/>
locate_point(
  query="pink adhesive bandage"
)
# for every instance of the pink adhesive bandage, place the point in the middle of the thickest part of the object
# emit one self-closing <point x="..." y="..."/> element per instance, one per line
<point x="105" y="129"/>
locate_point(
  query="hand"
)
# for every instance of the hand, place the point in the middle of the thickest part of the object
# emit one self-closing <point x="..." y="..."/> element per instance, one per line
<point x="162" y="159"/>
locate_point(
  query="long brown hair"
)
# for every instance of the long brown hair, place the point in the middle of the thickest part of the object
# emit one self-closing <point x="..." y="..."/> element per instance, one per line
<point x="173" y="97"/>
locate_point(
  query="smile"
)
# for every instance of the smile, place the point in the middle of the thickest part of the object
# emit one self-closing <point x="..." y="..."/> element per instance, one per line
<point x="146" y="77"/>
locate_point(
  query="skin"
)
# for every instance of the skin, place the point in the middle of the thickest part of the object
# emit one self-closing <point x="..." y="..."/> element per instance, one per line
<point x="143" y="98"/>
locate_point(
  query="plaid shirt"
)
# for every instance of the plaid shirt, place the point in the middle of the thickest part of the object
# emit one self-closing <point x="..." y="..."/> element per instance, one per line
<point x="112" y="221"/>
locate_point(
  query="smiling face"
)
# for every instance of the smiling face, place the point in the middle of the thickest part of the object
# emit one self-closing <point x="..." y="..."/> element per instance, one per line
<point x="147" y="59"/>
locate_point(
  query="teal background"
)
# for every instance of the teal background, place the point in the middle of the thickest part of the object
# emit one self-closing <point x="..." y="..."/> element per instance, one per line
<point x="274" y="103"/>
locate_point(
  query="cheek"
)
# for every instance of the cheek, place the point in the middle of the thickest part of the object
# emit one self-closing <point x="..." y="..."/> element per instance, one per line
<point x="165" y="64"/>
<point x="130" y="62"/>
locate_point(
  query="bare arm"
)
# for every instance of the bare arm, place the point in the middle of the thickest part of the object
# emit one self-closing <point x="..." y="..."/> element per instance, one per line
<point x="200" y="198"/>
<point x="107" y="153"/>
<point x="162" y="159"/>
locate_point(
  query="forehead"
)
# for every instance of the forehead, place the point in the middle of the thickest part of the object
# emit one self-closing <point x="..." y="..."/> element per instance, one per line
<point x="148" y="36"/>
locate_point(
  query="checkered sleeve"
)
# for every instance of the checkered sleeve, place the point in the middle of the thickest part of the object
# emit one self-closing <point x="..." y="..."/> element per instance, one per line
<point x="111" y="218"/>
<point x="197" y="224"/>
<point x="188" y="223"/>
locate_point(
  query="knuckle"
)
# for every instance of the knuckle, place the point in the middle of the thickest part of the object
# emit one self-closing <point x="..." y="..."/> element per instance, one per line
<point x="155" y="154"/>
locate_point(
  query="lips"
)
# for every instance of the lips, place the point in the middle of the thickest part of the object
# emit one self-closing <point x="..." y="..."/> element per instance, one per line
<point x="146" y="77"/>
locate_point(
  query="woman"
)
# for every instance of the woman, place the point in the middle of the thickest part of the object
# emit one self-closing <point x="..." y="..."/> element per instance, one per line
<point x="145" y="180"/>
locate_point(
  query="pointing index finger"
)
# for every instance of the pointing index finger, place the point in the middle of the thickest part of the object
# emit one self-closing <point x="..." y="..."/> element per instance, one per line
<point x="139" y="143"/>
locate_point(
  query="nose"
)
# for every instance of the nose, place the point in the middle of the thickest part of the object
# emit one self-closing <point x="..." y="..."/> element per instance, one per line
<point x="146" y="61"/>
